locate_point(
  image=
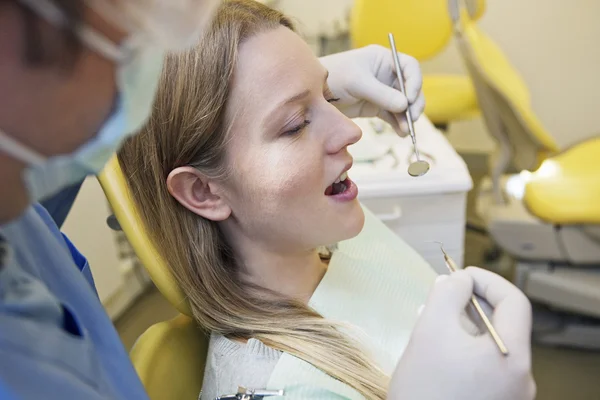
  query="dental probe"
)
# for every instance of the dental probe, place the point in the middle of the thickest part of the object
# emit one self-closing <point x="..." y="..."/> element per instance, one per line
<point x="419" y="167"/>
<point x="488" y="324"/>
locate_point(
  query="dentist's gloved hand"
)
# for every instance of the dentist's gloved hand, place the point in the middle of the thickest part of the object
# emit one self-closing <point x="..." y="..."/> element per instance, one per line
<point x="443" y="360"/>
<point x="365" y="81"/>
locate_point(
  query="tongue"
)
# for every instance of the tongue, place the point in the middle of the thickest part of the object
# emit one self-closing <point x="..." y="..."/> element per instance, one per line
<point x="338" y="188"/>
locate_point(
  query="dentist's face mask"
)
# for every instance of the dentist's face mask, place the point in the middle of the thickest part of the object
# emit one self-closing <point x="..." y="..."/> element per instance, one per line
<point x="138" y="71"/>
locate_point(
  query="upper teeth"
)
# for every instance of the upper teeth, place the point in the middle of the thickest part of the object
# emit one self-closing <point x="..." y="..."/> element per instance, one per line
<point x="342" y="177"/>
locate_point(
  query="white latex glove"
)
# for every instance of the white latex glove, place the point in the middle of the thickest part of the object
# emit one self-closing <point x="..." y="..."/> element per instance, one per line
<point x="444" y="361"/>
<point x="365" y="81"/>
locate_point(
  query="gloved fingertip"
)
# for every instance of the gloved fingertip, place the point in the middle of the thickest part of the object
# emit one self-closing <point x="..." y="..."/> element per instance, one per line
<point x="403" y="126"/>
<point x="416" y="111"/>
<point x="414" y="93"/>
<point x="399" y="104"/>
<point x="401" y="123"/>
<point x="454" y="286"/>
<point x="475" y="268"/>
<point x="462" y="275"/>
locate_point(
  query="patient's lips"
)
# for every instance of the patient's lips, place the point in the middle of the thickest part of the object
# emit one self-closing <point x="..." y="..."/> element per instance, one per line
<point x="343" y="189"/>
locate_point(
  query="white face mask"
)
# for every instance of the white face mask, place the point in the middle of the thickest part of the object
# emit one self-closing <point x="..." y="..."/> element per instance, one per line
<point x="138" y="73"/>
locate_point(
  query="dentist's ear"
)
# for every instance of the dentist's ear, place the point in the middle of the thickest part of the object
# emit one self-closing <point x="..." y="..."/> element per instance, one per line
<point x="197" y="193"/>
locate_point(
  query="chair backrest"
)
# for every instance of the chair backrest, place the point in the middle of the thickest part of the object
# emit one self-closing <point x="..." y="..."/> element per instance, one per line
<point x="475" y="8"/>
<point x="421" y="28"/>
<point x="502" y="95"/>
<point x="170" y="358"/>
<point x="117" y="192"/>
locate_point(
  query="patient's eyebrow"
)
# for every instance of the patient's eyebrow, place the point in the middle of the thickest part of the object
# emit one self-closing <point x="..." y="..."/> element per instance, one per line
<point x="297" y="97"/>
<point x="303" y="94"/>
<point x="294" y="98"/>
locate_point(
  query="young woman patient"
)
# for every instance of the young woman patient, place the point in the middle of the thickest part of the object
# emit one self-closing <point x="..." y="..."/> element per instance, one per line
<point x="240" y="177"/>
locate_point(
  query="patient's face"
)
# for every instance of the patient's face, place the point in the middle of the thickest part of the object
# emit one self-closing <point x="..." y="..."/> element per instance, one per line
<point x="289" y="144"/>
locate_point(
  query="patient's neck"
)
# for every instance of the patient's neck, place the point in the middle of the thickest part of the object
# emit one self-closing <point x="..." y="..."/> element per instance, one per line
<point x="294" y="274"/>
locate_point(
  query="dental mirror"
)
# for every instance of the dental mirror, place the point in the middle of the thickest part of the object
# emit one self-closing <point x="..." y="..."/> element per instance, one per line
<point x="418" y="167"/>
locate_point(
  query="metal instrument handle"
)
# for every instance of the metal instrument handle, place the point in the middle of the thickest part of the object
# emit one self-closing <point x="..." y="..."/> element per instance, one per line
<point x="250" y="394"/>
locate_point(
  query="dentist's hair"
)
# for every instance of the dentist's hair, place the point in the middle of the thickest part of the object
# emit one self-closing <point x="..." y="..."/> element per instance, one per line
<point x="188" y="127"/>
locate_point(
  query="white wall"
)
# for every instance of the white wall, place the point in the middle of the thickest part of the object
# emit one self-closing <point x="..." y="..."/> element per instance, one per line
<point x="555" y="44"/>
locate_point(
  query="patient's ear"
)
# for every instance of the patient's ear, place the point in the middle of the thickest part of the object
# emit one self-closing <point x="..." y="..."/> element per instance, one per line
<point x="197" y="193"/>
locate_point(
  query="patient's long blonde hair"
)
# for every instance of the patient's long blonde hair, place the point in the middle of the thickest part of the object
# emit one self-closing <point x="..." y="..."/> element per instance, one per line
<point x="188" y="127"/>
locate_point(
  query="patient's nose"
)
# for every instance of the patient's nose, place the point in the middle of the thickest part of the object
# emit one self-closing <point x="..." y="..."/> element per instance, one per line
<point x="343" y="134"/>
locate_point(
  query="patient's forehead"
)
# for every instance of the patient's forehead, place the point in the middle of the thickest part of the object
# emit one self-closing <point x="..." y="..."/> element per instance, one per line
<point x="271" y="67"/>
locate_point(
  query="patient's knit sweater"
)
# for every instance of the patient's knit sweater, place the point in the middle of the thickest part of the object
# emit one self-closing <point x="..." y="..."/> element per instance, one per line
<point x="232" y="364"/>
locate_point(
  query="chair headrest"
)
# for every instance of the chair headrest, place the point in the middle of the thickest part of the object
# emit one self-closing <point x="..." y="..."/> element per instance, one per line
<point x="117" y="192"/>
<point x="421" y="27"/>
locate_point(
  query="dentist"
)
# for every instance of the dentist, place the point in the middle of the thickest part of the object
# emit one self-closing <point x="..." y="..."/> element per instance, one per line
<point x="76" y="77"/>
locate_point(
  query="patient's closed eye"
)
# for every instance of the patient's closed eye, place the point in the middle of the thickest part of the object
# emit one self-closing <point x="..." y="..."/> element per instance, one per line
<point x="297" y="129"/>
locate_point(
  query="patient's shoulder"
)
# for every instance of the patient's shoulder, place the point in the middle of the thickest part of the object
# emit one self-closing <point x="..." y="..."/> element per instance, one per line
<point x="231" y="364"/>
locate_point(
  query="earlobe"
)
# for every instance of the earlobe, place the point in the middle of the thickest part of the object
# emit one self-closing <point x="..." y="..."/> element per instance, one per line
<point x="193" y="190"/>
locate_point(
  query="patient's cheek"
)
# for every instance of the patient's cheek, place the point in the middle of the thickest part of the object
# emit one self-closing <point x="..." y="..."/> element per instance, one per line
<point x="292" y="176"/>
<point x="289" y="185"/>
<point x="267" y="188"/>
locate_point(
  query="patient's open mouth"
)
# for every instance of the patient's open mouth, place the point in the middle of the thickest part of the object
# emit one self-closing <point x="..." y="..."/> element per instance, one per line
<point x="339" y="186"/>
<point x="342" y="190"/>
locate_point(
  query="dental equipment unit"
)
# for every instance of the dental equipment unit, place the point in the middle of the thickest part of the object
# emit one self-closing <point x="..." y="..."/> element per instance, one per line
<point x="540" y="202"/>
<point x="452" y="266"/>
<point x="418" y="167"/>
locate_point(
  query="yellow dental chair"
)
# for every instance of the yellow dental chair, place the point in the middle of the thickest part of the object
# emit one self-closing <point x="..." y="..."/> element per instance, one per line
<point x="547" y="216"/>
<point x="170" y="356"/>
<point x="422" y="29"/>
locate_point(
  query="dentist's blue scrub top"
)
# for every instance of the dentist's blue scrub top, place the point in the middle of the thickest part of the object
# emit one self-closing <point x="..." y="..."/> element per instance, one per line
<point x="56" y="340"/>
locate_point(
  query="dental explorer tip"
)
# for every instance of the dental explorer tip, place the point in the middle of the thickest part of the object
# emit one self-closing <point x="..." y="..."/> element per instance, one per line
<point x="435" y="241"/>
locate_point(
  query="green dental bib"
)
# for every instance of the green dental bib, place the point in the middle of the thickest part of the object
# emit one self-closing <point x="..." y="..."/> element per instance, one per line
<point x="375" y="283"/>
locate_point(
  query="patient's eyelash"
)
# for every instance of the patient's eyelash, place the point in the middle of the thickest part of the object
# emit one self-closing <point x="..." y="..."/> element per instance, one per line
<point x="330" y="99"/>
<point x="329" y="96"/>
<point x="297" y="129"/>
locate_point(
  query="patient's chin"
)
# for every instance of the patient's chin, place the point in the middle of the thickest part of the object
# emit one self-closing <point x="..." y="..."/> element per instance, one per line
<point x="352" y="223"/>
